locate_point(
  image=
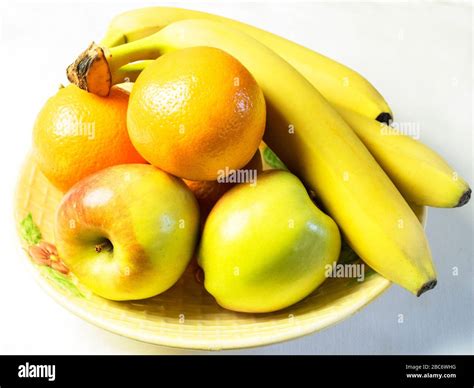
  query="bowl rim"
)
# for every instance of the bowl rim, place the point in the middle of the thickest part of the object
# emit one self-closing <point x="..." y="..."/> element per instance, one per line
<point x="378" y="287"/>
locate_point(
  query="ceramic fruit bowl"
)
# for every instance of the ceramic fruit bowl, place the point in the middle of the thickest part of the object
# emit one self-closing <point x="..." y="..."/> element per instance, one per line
<point x="185" y="316"/>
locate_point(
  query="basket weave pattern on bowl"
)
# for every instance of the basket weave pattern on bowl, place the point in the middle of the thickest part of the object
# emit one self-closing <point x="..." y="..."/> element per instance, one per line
<point x="186" y="316"/>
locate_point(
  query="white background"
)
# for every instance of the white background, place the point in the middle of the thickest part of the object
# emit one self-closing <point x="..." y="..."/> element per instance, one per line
<point x="418" y="55"/>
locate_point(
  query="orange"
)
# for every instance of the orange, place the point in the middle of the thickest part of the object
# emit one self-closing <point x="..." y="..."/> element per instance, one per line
<point x="196" y="111"/>
<point x="208" y="193"/>
<point x="78" y="133"/>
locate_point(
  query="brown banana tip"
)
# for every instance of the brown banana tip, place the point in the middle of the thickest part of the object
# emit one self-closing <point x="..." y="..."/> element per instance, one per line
<point x="464" y="198"/>
<point x="91" y="72"/>
<point x="427" y="286"/>
<point x="385" y="118"/>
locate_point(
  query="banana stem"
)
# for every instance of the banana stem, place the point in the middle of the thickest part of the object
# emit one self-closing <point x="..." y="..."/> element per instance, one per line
<point x="113" y="38"/>
<point x="131" y="71"/>
<point x="97" y="69"/>
<point x="146" y="48"/>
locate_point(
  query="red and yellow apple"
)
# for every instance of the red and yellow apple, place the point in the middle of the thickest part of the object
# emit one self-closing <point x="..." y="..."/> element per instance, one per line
<point x="128" y="231"/>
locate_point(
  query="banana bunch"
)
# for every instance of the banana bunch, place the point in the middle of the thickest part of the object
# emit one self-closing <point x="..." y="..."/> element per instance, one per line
<point x="336" y="82"/>
<point x="329" y="134"/>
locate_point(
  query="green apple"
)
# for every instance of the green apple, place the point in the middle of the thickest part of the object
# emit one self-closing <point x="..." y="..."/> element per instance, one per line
<point x="128" y="231"/>
<point x="266" y="246"/>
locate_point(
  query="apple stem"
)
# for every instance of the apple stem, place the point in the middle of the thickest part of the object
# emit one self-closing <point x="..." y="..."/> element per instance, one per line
<point x="105" y="245"/>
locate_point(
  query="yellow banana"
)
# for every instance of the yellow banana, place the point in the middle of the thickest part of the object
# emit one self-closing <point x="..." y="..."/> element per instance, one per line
<point x="420" y="212"/>
<point x="271" y="161"/>
<point x="311" y="139"/>
<point x="421" y="175"/>
<point x="336" y="82"/>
